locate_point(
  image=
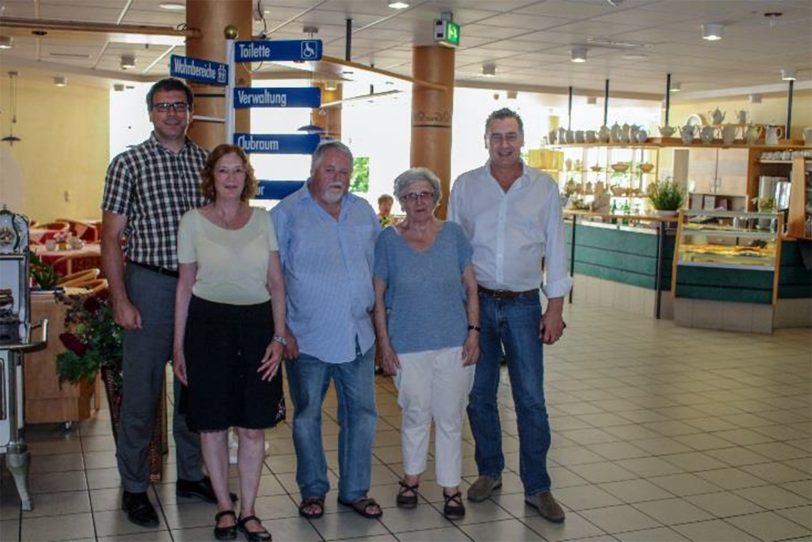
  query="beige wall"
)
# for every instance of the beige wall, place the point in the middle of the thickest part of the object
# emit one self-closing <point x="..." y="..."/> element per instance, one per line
<point x="64" y="148"/>
<point x="771" y="110"/>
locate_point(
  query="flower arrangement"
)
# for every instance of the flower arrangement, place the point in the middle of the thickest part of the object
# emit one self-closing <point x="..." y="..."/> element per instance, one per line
<point x="92" y="338"/>
<point x="666" y="195"/>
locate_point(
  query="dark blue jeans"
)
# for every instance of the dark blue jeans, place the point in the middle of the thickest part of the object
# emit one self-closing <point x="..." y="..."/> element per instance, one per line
<point x="308" y="380"/>
<point x="513" y="323"/>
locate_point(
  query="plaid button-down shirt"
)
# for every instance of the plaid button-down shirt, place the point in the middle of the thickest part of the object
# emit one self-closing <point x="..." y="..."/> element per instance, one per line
<point x="153" y="187"/>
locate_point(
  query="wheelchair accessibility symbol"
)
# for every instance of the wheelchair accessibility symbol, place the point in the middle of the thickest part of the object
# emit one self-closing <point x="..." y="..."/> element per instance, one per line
<point x="310" y="50"/>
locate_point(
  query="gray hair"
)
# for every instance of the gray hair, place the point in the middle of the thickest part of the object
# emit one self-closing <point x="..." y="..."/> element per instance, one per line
<point x="325" y="146"/>
<point x="502" y="114"/>
<point x="411" y="175"/>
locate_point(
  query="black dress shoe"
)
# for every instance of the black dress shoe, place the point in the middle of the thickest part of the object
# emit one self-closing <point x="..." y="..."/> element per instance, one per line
<point x="202" y="489"/>
<point x="139" y="510"/>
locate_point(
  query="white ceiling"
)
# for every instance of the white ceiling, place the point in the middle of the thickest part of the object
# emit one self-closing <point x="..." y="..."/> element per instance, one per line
<point x="528" y="40"/>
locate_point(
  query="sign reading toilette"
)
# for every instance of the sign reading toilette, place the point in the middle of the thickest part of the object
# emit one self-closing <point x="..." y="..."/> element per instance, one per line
<point x="277" y="50"/>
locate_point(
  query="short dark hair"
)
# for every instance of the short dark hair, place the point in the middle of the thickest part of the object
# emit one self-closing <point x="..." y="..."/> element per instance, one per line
<point x="169" y="84"/>
<point x="207" y="174"/>
<point x="501" y="114"/>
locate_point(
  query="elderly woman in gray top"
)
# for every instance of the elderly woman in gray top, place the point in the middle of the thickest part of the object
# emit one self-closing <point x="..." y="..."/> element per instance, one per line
<point x="427" y="322"/>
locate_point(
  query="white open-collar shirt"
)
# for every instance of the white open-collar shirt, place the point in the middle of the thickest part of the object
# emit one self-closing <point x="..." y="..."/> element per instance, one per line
<point x="511" y="231"/>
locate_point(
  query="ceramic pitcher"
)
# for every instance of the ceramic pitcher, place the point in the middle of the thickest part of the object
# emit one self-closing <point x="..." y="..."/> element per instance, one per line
<point x="729" y="134"/>
<point x="687" y="133"/>
<point x="772" y="134"/>
<point x="752" y="133"/>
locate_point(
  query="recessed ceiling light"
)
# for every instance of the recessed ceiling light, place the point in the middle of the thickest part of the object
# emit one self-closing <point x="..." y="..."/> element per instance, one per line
<point x="489" y="70"/>
<point x="578" y="55"/>
<point x="712" y="31"/>
<point x="6" y="42"/>
<point x="60" y="81"/>
<point x="172" y="6"/>
<point x="127" y="62"/>
<point x="398" y="4"/>
<point x="788" y="74"/>
<point x="676" y="87"/>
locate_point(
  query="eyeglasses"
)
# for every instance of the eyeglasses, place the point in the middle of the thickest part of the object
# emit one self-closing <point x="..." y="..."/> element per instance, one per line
<point x="415" y="196"/>
<point x="511" y="137"/>
<point x="177" y="107"/>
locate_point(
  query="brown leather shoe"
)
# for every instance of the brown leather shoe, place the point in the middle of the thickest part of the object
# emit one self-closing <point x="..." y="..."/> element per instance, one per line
<point x="546" y="506"/>
<point x="482" y="488"/>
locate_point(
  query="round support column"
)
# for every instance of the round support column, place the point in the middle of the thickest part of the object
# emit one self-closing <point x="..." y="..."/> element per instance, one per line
<point x="211" y="17"/>
<point x="328" y="118"/>
<point x="432" y="113"/>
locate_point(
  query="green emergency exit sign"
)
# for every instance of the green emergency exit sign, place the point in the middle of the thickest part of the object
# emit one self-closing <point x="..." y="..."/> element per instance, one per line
<point x="447" y="33"/>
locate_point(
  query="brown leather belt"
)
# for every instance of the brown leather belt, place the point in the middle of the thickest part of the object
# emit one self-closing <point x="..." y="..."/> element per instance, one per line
<point x="507" y="294"/>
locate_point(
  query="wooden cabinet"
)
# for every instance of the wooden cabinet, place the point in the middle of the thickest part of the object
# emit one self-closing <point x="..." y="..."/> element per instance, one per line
<point x="46" y="401"/>
<point x="800" y="202"/>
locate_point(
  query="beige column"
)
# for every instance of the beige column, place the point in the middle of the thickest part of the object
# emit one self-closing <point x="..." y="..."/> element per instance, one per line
<point x="211" y="17"/>
<point x="432" y="112"/>
<point x="328" y="118"/>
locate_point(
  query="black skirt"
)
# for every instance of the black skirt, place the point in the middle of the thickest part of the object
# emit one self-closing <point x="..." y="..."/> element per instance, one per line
<point x="224" y="345"/>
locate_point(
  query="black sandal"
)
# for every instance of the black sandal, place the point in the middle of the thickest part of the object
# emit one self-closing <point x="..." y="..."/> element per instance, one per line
<point x="225" y="533"/>
<point x="307" y="502"/>
<point x="362" y="507"/>
<point x="404" y="499"/>
<point x="453" y="507"/>
<point x="253" y="536"/>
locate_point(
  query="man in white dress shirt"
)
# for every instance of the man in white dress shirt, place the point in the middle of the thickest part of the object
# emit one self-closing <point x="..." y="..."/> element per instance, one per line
<point x="512" y="215"/>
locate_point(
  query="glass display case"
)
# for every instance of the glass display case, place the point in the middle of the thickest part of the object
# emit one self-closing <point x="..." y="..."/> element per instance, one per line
<point x="729" y="239"/>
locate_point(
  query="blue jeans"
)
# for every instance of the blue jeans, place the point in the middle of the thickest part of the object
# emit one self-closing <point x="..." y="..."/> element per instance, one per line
<point x="308" y="380"/>
<point x="514" y="323"/>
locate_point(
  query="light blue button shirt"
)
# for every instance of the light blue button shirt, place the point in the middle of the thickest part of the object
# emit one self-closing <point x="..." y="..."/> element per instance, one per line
<point x="327" y="265"/>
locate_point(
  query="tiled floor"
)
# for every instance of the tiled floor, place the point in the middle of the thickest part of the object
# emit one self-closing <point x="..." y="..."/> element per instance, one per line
<point x="660" y="433"/>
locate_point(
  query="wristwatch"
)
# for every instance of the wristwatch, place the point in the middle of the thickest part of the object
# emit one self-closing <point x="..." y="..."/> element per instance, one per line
<point x="280" y="339"/>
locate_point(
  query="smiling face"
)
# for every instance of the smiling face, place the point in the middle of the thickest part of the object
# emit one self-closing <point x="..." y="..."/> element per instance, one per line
<point x="169" y="125"/>
<point x="229" y="177"/>
<point x="504" y="141"/>
<point x="331" y="179"/>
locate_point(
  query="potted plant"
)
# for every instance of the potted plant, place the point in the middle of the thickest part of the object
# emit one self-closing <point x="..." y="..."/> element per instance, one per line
<point x="44" y="274"/>
<point x="666" y="197"/>
<point x="93" y="343"/>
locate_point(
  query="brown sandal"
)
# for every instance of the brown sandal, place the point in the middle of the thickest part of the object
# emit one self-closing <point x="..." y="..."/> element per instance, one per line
<point x="307" y="502"/>
<point x="407" y="495"/>
<point x="362" y="506"/>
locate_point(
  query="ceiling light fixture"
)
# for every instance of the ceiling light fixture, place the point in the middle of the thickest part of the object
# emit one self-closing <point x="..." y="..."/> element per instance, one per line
<point x="676" y="87"/>
<point x="6" y="42"/>
<point x="712" y="31"/>
<point x="592" y="100"/>
<point x="579" y="54"/>
<point x="489" y="70"/>
<point x="398" y="4"/>
<point x="60" y="81"/>
<point x="330" y="86"/>
<point x="127" y="62"/>
<point x="788" y="74"/>
<point x="118" y="87"/>
<point x="12" y="87"/>
<point x="172" y="6"/>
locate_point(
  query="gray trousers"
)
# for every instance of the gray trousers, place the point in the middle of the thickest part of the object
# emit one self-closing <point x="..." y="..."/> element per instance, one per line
<point x="146" y="352"/>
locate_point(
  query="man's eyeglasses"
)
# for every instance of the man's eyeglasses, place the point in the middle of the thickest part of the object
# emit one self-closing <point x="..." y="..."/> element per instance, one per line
<point x="415" y="196"/>
<point x="177" y="107"/>
<point x="511" y="137"/>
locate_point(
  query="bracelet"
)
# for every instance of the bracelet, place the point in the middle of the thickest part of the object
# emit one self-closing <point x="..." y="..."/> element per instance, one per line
<point x="280" y="339"/>
<point x="474" y="328"/>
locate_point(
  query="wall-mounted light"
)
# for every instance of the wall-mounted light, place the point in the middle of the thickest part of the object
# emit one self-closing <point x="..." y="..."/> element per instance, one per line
<point x="127" y="62"/>
<point x="398" y="4"/>
<point x="6" y="42"/>
<point x="676" y="87"/>
<point x="60" y="81"/>
<point x="489" y="70"/>
<point x="578" y="54"/>
<point x="712" y="31"/>
<point x="788" y="74"/>
<point x="754" y="98"/>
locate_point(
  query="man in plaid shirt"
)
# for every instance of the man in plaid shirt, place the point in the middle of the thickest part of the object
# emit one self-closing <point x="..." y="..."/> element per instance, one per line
<point x="147" y="190"/>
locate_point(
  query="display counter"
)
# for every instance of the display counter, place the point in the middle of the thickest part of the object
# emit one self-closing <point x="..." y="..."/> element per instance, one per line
<point x="630" y="267"/>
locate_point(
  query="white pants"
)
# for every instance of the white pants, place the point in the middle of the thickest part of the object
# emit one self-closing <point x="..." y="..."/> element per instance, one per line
<point x="433" y="384"/>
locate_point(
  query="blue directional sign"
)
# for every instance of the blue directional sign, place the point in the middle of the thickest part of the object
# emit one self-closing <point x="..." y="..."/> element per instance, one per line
<point x="277" y="189"/>
<point x="277" y="97"/>
<point x="195" y="69"/>
<point x="277" y="143"/>
<point x="280" y="50"/>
